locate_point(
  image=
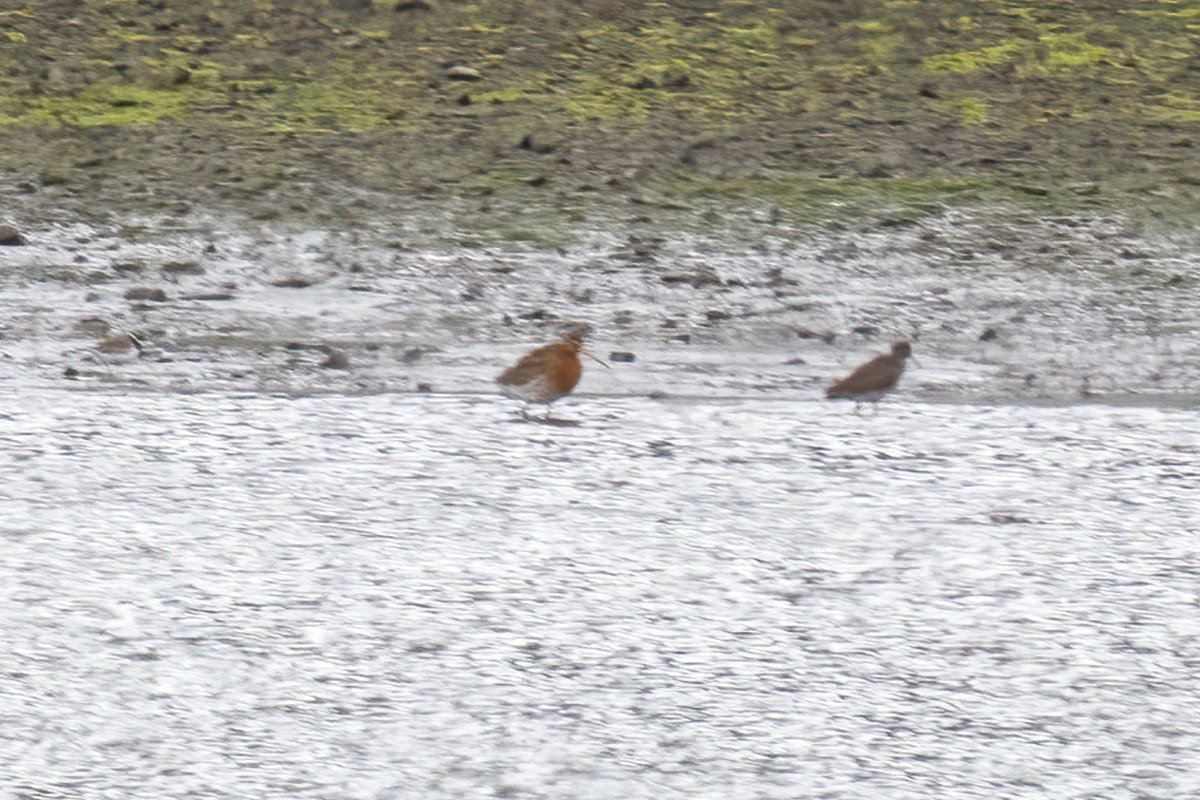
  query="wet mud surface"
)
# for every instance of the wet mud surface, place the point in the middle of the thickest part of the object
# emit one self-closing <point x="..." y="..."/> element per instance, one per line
<point x="406" y="596"/>
<point x="1002" y="308"/>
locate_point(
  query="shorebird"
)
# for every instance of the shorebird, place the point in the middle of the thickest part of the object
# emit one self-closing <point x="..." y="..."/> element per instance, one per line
<point x="546" y="373"/>
<point x="874" y="379"/>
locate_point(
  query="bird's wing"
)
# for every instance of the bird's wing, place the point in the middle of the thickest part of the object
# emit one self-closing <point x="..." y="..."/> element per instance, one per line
<point x="878" y="373"/>
<point x="527" y="368"/>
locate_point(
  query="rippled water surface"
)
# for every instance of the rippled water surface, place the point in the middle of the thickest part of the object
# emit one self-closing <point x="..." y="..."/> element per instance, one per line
<point x="417" y="596"/>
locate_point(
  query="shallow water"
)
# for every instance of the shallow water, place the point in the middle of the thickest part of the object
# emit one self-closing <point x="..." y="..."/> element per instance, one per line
<point x="417" y="596"/>
<point x="1002" y="306"/>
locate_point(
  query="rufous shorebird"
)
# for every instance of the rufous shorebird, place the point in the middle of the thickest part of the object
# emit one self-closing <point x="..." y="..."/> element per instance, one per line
<point x="546" y="373"/>
<point x="874" y="379"/>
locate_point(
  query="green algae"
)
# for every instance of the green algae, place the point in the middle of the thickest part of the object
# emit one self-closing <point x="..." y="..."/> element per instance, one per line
<point x="973" y="111"/>
<point x="103" y="105"/>
<point x="991" y="71"/>
<point x="971" y="60"/>
<point x="1072" y="51"/>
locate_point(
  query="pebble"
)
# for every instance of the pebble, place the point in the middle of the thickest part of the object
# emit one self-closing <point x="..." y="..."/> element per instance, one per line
<point x="146" y="293"/>
<point x="335" y="359"/>
<point x="464" y="74"/>
<point x="10" y="236"/>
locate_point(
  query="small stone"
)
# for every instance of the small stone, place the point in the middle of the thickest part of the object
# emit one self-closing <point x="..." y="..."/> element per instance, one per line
<point x="294" y="283"/>
<point x="208" y="296"/>
<point x="827" y="337"/>
<point x="94" y="326"/>
<point x="121" y="343"/>
<point x="464" y="74"/>
<point x="988" y="334"/>
<point x="146" y="293"/>
<point x="424" y="388"/>
<point x="182" y="268"/>
<point x="622" y="357"/>
<point x="697" y="279"/>
<point x="10" y="236"/>
<point x="335" y="359"/>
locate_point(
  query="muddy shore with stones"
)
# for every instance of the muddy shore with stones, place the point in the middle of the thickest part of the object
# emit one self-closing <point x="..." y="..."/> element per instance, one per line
<point x="233" y="194"/>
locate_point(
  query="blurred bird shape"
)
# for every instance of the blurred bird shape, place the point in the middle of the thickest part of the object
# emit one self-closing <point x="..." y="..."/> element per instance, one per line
<point x="872" y="380"/>
<point x="547" y="373"/>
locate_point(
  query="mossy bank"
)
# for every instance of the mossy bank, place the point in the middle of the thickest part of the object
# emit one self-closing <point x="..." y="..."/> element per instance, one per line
<point x="340" y="109"/>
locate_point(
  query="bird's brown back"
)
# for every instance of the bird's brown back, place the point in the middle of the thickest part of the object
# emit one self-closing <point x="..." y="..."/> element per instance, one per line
<point x="557" y="363"/>
<point x="877" y="375"/>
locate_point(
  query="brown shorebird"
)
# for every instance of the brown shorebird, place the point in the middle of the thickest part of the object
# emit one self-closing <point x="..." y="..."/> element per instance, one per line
<point x="546" y="373"/>
<point x="874" y="379"/>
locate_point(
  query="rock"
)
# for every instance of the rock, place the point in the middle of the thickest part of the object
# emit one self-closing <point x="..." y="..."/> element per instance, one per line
<point x="208" y="296"/>
<point x="539" y="143"/>
<point x="807" y="333"/>
<point x="335" y="359"/>
<point x="93" y="326"/>
<point x="699" y="278"/>
<point x="988" y="334"/>
<point x="121" y="343"/>
<point x="424" y="388"/>
<point x="865" y="330"/>
<point x="10" y="236"/>
<point x="294" y="283"/>
<point x="182" y="268"/>
<point x="464" y="74"/>
<point x="146" y="293"/>
<point x="414" y="5"/>
<point x="622" y="357"/>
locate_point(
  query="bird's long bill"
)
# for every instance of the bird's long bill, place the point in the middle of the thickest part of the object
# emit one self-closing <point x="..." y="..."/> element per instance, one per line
<point x="595" y="358"/>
